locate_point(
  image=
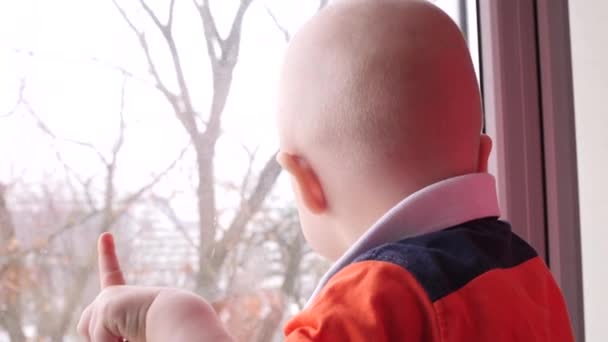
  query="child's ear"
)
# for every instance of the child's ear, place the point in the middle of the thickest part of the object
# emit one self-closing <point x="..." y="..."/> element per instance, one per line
<point x="306" y="180"/>
<point x="485" y="147"/>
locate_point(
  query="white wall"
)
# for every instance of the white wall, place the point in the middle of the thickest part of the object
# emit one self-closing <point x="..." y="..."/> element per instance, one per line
<point x="589" y="36"/>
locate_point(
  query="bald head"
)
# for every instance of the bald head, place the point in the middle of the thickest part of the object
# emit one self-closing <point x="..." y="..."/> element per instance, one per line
<point x="367" y="80"/>
<point x="383" y="92"/>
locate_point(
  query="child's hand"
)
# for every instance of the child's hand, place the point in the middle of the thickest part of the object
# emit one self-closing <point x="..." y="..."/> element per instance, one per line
<point x="140" y="314"/>
<point x="119" y="310"/>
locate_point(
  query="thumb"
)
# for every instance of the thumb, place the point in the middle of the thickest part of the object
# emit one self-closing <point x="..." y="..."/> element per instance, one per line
<point x="109" y="268"/>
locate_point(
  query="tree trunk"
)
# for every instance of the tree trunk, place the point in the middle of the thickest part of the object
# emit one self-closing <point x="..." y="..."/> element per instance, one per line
<point x="205" y="149"/>
<point x="206" y="282"/>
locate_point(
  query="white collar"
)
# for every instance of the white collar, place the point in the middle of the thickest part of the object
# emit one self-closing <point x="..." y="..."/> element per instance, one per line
<point x="438" y="206"/>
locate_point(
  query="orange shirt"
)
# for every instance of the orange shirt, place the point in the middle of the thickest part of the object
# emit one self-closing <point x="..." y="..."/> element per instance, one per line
<point x="475" y="281"/>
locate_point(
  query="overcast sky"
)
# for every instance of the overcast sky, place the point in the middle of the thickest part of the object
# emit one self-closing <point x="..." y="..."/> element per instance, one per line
<point x="79" y="97"/>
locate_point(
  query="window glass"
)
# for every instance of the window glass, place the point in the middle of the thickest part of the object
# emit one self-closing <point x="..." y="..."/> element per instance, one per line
<point x="152" y="120"/>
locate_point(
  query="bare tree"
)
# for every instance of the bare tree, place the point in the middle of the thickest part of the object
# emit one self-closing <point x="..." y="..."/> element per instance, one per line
<point x="100" y="206"/>
<point x="215" y="243"/>
<point x="204" y="132"/>
<point x="97" y="217"/>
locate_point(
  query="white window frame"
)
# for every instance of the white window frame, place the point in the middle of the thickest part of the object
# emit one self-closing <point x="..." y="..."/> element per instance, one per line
<point x="527" y="85"/>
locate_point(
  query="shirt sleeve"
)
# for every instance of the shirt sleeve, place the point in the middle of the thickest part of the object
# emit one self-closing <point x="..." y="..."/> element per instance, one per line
<point x="367" y="301"/>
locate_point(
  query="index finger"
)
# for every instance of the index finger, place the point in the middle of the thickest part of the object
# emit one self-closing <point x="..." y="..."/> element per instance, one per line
<point x="109" y="268"/>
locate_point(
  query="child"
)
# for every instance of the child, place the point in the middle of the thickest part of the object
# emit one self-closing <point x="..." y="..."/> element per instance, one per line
<point x="379" y="122"/>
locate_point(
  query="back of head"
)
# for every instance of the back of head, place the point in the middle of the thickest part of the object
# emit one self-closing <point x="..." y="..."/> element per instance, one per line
<point x="381" y="98"/>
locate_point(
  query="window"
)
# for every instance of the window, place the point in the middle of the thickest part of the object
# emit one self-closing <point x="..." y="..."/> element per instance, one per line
<point x="152" y="120"/>
<point x="529" y="112"/>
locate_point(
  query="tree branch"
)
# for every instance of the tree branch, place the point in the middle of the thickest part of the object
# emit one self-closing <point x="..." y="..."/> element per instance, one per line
<point x="222" y="73"/>
<point x="212" y="35"/>
<point x="45" y="128"/>
<point x="96" y="60"/>
<point x="110" y="214"/>
<point x="126" y="202"/>
<point x="171" y="10"/>
<point x="232" y="44"/>
<point x="266" y="181"/>
<point x="284" y="31"/>
<point x="122" y="126"/>
<point x="247" y="177"/>
<point x="164" y="29"/>
<point x="19" y="101"/>
<point x="183" y="109"/>
<point x="125" y="17"/>
<point x="169" y="212"/>
<point x="123" y="206"/>
<point x="10" y="112"/>
<point x="85" y="184"/>
<point x="143" y="42"/>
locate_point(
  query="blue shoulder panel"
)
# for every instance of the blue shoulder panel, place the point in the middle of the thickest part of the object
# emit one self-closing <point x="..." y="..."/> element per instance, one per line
<point x="446" y="260"/>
